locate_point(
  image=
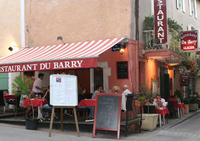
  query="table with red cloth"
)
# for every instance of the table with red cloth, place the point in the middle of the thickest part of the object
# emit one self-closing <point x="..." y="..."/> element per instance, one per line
<point x="8" y="97"/>
<point x="87" y="103"/>
<point x="162" y="112"/>
<point x="181" y="105"/>
<point x="35" y="102"/>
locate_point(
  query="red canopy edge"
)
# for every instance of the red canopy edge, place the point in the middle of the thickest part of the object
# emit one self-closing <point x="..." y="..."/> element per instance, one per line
<point x="50" y="65"/>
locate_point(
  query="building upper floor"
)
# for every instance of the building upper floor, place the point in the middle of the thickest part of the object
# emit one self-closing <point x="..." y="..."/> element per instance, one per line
<point x="37" y="23"/>
<point x="185" y="12"/>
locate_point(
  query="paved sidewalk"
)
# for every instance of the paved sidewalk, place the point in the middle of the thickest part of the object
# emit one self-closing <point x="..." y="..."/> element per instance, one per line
<point x="19" y="133"/>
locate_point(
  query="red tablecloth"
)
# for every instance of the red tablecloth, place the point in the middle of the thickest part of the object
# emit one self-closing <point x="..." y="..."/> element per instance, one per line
<point x="8" y="96"/>
<point x="87" y="103"/>
<point x="36" y="102"/>
<point x="162" y="111"/>
<point x="181" y="105"/>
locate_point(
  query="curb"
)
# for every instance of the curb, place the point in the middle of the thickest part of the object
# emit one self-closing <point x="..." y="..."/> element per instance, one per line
<point x="181" y="120"/>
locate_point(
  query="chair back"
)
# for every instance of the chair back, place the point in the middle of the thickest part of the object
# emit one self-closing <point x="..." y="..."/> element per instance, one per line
<point x="129" y="102"/>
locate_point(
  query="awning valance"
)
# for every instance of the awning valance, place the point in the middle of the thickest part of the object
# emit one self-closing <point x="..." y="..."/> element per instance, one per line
<point x="63" y="56"/>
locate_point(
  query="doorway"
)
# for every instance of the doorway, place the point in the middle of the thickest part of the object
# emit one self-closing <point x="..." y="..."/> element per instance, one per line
<point x="98" y="77"/>
<point x="164" y="83"/>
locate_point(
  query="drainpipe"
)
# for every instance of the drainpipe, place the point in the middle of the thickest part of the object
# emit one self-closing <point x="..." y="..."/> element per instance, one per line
<point x="137" y="48"/>
<point x="11" y="76"/>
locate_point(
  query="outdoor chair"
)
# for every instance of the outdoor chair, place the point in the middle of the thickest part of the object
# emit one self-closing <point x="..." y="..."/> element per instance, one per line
<point x="149" y="109"/>
<point x="83" y="113"/>
<point x="172" y="110"/>
<point x="11" y="101"/>
<point x="132" y="115"/>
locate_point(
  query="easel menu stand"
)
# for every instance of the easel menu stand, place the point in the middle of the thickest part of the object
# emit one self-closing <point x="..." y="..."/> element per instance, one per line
<point x="61" y="118"/>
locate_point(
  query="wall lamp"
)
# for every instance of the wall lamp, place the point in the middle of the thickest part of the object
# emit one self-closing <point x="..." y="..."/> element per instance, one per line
<point x="13" y="48"/>
<point x="10" y="48"/>
<point x="60" y="38"/>
<point x="122" y="49"/>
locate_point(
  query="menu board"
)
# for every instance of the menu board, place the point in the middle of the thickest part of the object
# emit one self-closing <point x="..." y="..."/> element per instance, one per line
<point x="63" y="90"/>
<point x="107" y="113"/>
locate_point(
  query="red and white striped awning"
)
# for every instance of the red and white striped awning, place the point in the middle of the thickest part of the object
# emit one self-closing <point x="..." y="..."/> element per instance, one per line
<point x="63" y="56"/>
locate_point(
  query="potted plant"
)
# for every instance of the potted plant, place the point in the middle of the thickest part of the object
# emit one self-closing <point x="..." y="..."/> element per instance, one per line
<point x="186" y="103"/>
<point x="32" y="122"/>
<point x="193" y="103"/>
<point x="22" y="88"/>
<point x="149" y="120"/>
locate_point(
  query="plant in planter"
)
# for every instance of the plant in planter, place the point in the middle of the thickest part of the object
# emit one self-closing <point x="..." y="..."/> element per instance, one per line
<point x="186" y="103"/>
<point x="31" y="122"/>
<point x="21" y="87"/>
<point x="193" y="103"/>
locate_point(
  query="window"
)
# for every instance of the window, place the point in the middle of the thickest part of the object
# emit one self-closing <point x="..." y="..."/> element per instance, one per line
<point x="193" y="9"/>
<point x="180" y="5"/>
<point x="122" y="70"/>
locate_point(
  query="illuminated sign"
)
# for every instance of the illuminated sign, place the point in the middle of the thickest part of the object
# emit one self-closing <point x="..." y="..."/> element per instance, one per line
<point x="189" y="40"/>
<point x="160" y="19"/>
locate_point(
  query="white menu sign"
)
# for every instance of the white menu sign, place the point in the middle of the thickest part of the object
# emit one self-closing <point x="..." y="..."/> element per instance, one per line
<point x="63" y="90"/>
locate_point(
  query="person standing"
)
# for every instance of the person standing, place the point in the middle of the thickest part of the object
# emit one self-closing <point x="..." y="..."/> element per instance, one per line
<point x="124" y="94"/>
<point x="37" y="85"/>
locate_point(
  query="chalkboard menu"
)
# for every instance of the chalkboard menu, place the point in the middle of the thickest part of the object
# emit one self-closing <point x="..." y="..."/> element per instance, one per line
<point x="122" y="70"/>
<point x="107" y="113"/>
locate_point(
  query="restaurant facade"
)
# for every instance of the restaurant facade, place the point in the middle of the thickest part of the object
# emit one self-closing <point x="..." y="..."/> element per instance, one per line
<point x="89" y="35"/>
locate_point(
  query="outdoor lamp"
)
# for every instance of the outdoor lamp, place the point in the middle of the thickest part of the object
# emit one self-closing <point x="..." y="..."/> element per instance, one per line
<point x="61" y="39"/>
<point x="121" y="51"/>
<point x="10" y="48"/>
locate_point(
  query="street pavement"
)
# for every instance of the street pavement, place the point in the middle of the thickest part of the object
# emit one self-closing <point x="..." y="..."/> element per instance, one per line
<point x="187" y="130"/>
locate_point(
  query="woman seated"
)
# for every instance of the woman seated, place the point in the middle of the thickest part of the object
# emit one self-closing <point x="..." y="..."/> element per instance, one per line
<point x="159" y="102"/>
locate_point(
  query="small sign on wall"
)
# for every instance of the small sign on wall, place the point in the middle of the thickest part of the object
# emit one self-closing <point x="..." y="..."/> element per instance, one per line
<point x="190" y="41"/>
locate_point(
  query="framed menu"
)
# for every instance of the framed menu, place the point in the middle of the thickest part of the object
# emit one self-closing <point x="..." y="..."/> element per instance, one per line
<point x="63" y="90"/>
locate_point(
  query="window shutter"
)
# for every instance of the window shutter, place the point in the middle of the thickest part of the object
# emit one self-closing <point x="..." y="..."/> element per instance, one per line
<point x="152" y="7"/>
<point x="184" y="6"/>
<point x="190" y="8"/>
<point x="177" y="4"/>
<point x="195" y="5"/>
<point x="189" y="27"/>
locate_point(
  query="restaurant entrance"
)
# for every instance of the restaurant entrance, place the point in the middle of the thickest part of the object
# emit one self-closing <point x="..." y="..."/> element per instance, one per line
<point x="164" y="83"/>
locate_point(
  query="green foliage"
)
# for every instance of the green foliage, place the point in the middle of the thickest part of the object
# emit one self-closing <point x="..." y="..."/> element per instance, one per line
<point x="174" y="25"/>
<point x="186" y="101"/>
<point x="191" y="100"/>
<point x="21" y="86"/>
<point x="141" y="98"/>
<point x="178" y="94"/>
<point x="148" y="23"/>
